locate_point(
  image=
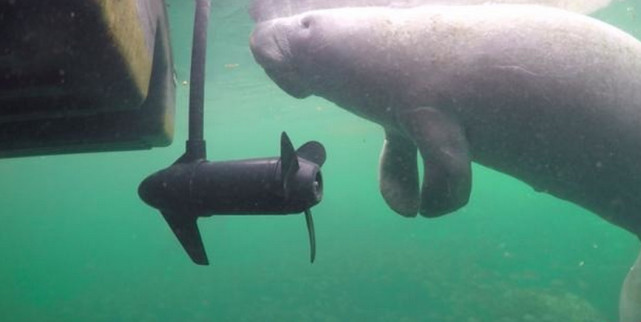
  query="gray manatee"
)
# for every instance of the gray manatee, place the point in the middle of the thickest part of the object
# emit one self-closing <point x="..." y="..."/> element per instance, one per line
<point x="544" y="95"/>
<point x="262" y="10"/>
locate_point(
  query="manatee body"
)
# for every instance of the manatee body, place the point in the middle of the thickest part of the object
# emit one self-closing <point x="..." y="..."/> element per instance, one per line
<point x="550" y="97"/>
<point x="262" y="10"/>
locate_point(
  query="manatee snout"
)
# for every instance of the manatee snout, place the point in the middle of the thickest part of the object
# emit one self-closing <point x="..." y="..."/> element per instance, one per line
<point x="270" y="44"/>
<point x="266" y="46"/>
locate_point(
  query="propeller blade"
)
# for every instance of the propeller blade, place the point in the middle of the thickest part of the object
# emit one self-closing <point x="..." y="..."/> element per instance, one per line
<point x="312" y="234"/>
<point x="186" y="230"/>
<point x="288" y="161"/>
<point x="312" y="151"/>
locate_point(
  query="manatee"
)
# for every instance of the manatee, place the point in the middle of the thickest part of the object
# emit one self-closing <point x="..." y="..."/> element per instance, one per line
<point x="262" y="10"/>
<point x="545" y="95"/>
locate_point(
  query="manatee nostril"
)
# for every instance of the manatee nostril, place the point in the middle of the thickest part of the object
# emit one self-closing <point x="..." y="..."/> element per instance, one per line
<point x="306" y="22"/>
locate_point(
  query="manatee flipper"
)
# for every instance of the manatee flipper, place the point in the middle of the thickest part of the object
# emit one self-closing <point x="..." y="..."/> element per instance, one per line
<point x="398" y="174"/>
<point x="630" y="302"/>
<point x="447" y="181"/>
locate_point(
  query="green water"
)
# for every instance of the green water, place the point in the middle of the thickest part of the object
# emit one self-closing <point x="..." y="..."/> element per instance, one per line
<point x="78" y="245"/>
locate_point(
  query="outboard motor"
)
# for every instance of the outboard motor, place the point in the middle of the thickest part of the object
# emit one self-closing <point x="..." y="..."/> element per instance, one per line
<point x="193" y="187"/>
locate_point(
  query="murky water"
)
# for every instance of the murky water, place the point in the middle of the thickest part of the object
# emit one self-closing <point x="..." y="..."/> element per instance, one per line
<point x="78" y="245"/>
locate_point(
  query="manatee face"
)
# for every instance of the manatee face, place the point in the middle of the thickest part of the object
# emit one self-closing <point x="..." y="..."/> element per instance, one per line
<point x="271" y="45"/>
<point x="308" y="53"/>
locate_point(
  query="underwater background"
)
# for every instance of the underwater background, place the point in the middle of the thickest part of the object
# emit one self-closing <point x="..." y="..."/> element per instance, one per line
<point x="77" y="244"/>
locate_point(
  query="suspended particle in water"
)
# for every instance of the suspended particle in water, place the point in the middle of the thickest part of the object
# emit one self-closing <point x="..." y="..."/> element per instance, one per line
<point x="631" y="13"/>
